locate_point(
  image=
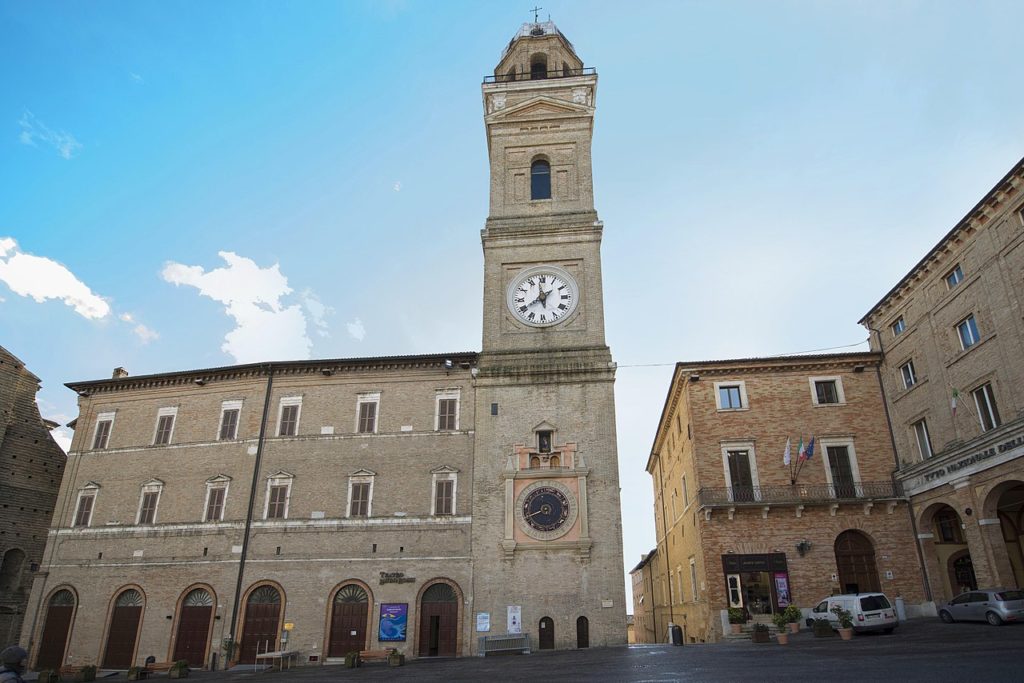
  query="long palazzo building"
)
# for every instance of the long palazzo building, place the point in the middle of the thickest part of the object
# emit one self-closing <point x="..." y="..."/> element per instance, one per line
<point x="416" y="502"/>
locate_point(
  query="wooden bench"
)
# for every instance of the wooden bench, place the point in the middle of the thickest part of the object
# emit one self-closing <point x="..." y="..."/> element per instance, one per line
<point x="374" y="655"/>
<point x="159" y="666"/>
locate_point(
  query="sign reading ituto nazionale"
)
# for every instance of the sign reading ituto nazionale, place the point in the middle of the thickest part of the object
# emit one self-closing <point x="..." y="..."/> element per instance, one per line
<point x="951" y="468"/>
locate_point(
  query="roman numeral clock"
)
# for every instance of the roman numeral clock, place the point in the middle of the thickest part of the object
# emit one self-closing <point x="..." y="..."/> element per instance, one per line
<point x="542" y="296"/>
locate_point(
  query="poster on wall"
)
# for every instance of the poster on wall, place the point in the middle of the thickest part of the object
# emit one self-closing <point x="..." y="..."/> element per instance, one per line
<point x="515" y="619"/>
<point x="483" y="622"/>
<point x="782" y="588"/>
<point x="393" y="619"/>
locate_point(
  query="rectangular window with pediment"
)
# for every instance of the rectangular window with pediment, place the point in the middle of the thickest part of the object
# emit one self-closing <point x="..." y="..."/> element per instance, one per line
<point x="366" y="412"/>
<point x="360" y="494"/>
<point x="278" y="496"/>
<point x="84" y="509"/>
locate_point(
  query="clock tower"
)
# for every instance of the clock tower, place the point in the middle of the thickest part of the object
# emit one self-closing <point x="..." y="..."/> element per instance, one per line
<point x="547" y="538"/>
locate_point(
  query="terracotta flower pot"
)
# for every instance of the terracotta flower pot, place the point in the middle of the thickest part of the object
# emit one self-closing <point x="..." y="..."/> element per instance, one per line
<point x="782" y="637"/>
<point x="736" y="629"/>
<point x="794" y="627"/>
<point x="846" y="633"/>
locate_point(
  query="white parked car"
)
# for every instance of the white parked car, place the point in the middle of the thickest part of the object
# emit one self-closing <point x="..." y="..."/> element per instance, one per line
<point x="870" y="611"/>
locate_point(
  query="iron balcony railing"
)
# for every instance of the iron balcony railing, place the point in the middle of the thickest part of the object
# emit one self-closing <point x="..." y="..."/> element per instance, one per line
<point x="539" y="75"/>
<point x="798" y="493"/>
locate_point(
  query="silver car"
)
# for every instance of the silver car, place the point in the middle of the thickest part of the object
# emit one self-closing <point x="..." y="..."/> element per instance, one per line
<point x="994" y="605"/>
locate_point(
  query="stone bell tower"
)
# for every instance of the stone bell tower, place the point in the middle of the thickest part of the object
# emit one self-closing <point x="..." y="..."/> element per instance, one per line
<point x="547" y="534"/>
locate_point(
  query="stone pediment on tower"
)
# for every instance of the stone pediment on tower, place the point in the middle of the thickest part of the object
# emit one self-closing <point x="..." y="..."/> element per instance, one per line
<point x="540" y="107"/>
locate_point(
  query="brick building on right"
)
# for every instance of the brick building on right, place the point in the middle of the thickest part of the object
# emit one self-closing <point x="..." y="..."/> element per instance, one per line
<point x="951" y="338"/>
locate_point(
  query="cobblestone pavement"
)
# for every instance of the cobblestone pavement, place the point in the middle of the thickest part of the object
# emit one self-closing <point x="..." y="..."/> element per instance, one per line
<point x="920" y="650"/>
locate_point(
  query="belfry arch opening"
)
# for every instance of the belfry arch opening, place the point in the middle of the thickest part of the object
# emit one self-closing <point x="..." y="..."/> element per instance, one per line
<point x="538" y="66"/>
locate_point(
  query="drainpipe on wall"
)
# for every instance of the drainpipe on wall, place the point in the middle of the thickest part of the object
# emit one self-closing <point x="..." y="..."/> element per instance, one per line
<point x="896" y="457"/>
<point x="252" y="502"/>
<point x="668" y="580"/>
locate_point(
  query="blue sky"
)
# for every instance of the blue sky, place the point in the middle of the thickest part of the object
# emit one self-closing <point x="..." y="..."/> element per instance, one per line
<point x="765" y="173"/>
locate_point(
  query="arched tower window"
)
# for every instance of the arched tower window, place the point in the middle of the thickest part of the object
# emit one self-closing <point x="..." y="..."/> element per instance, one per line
<point x="566" y="71"/>
<point x="540" y="179"/>
<point x="538" y="67"/>
<point x="10" y="570"/>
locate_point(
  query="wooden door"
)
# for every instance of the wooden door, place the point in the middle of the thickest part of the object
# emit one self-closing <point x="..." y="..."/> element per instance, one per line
<point x="582" y="632"/>
<point x="855" y="560"/>
<point x="348" y="621"/>
<point x="439" y="622"/>
<point x="194" y="628"/>
<point x="123" y="631"/>
<point x="260" y="627"/>
<point x="547" y="634"/>
<point x="842" y="472"/>
<point x="54" y="640"/>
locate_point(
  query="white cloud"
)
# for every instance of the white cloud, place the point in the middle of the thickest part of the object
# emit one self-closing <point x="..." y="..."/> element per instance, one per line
<point x="62" y="435"/>
<point x="356" y="329"/>
<point x="136" y="77"/>
<point x="397" y="186"/>
<point x="144" y="333"/>
<point x="32" y="129"/>
<point x="317" y="312"/>
<point x="266" y="328"/>
<point x="42" y="278"/>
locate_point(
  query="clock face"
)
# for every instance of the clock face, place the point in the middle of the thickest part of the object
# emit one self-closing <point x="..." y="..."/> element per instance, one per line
<point x="545" y="509"/>
<point x="542" y="296"/>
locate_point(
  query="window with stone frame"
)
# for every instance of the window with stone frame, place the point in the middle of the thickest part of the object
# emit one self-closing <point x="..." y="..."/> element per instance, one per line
<point x="540" y="180"/>
<point x="967" y="331"/>
<point x="898" y="326"/>
<point x="215" y="498"/>
<point x="988" y="413"/>
<point x="908" y="374"/>
<point x="366" y="413"/>
<point x="444" y="498"/>
<point x="104" y="425"/>
<point x="924" y="442"/>
<point x="288" y="416"/>
<point x="229" y="414"/>
<point x="148" y="502"/>
<point x="360" y="503"/>
<point x="83" y="513"/>
<point x="279" y="492"/>
<point x="954" y="277"/>
<point x="730" y="395"/>
<point x="164" y="426"/>
<point x="447" y="411"/>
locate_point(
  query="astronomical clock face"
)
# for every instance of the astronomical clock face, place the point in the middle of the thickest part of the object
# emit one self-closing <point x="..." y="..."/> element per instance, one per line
<point x="546" y="510"/>
<point x="542" y="296"/>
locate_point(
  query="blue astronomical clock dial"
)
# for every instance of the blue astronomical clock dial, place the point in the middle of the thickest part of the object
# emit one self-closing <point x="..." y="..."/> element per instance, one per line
<point x="545" y="509"/>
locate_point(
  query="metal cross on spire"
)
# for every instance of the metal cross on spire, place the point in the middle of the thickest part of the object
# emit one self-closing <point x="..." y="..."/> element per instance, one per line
<point x="535" y="10"/>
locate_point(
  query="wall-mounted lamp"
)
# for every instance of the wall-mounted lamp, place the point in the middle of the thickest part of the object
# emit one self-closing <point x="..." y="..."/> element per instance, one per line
<point x="200" y="381"/>
<point x="803" y="547"/>
<point x="474" y="372"/>
<point x="694" y="377"/>
<point x="83" y="394"/>
<point x="858" y="368"/>
<point x="465" y="364"/>
<point x="448" y="364"/>
<point x="326" y="372"/>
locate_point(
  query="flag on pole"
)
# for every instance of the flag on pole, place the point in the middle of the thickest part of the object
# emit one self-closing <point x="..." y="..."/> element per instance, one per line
<point x="956" y="395"/>
<point x="786" y="455"/>
<point x="810" y="449"/>
<point x="800" y="449"/>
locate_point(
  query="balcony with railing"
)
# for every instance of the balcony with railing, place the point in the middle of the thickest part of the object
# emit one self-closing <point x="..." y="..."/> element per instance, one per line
<point x="798" y="494"/>
<point x="536" y="75"/>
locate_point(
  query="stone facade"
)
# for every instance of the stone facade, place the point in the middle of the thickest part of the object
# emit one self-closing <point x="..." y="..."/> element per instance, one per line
<point x="31" y="466"/>
<point x="951" y="335"/>
<point x="299" y="506"/>
<point x="642" y="583"/>
<point x="736" y="527"/>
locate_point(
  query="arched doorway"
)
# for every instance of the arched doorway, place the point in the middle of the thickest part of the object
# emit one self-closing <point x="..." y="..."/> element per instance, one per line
<point x="262" y="622"/>
<point x="546" y="633"/>
<point x="1010" y="511"/>
<point x="855" y="560"/>
<point x="349" y="613"/>
<point x="582" y="632"/>
<point x="961" y="572"/>
<point x="123" y="631"/>
<point x="193" y="635"/>
<point x="439" y="621"/>
<point x="53" y="643"/>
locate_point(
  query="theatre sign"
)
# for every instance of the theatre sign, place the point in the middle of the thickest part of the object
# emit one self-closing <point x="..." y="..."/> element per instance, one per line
<point x="962" y="463"/>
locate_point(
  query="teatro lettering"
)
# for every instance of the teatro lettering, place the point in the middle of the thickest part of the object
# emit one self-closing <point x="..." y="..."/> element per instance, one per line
<point x="395" y="577"/>
<point x="975" y="458"/>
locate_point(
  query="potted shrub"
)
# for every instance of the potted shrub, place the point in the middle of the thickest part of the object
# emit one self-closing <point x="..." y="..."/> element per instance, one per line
<point x="136" y="673"/>
<point x="759" y="633"/>
<point x="395" y="658"/>
<point x="779" y="618"/>
<point x="845" y="622"/>
<point x="822" y="628"/>
<point x="793" y="616"/>
<point x="86" y="673"/>
<point x="49" y="676"/>
<point x="179" y="669"/>
<point x="352" y="659"/>
<point x="737" y="617"/>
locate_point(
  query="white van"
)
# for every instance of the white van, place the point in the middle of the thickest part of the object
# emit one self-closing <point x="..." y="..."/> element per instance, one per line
<point x="870" y="611"/>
